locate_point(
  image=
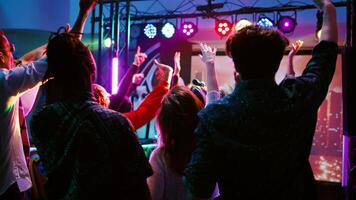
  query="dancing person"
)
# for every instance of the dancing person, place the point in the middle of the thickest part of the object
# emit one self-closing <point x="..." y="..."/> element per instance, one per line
<point x="88" y="151"/>
<point x="148" y="108"/>
<point x="14" y="81"/>
<point x="176" y="122"/>
<point x="256" y="142"/>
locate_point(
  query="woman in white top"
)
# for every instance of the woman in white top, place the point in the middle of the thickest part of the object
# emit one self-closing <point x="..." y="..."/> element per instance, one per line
<point x="176" y="122"/>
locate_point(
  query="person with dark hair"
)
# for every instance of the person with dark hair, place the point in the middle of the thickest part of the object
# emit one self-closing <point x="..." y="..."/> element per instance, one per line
<point x="256" y="142"/>
<point x="88" y="151"/>
<point x="14" y="81"/>
<point x="176" y="122"/>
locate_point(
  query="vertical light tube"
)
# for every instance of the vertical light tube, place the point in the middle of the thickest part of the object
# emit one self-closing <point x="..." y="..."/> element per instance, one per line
<point x="114" y="75"/>
<point x="345" y="161"/>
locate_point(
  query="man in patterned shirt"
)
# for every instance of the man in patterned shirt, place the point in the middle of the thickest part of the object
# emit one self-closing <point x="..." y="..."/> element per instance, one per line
<point x="88" y="151"/>
<point x="256" y="142"/>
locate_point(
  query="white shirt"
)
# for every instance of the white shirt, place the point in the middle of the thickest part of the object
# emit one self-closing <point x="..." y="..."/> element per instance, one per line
<point x="13" y="83"/>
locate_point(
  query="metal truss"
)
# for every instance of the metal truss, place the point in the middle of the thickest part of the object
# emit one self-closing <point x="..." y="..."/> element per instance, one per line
<point x="119" y="15"/>
<point x="143" y="10"/>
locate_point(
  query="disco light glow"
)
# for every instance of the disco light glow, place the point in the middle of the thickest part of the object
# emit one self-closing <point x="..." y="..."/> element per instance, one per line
<point x="189" y="29"/>
<point x="168" y="30"/>
<point x="286" y="24"/>
<point x="223" y="27"/>
<point x="150" y="31"/>
<point x="114" y="75"/>
<point x="107" y="42"/>
<point x="265" y="22"/>
<point x="242" y="23"/>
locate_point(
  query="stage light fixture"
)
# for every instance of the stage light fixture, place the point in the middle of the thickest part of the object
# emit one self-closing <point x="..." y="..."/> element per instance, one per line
<point x="189" y="29"/>
<point x="241" y="24"/>
<point x="150" y="31"/>
<point x="168" y="30"/>
<point x="265" y="22"/>
<point x="223" y="27"/>
<point x="108" y="42"/>
<point x="286" y="24"/>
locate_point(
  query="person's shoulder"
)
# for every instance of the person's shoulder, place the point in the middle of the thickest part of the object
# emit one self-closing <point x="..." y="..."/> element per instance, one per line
<point x="112" y="119"/>
<point x="157" y="158"/>
<point x="108" y="114"/>
<point x="45" y="118"/>
<point x="217" y="108"/>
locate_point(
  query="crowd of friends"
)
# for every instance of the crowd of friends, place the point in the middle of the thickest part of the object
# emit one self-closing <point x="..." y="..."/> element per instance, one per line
<point x="251" y="144"/>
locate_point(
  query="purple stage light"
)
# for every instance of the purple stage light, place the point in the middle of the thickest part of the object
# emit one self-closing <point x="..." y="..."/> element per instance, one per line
<point x="189" y="29"/>
<point x="114" y="75"/>
<point x="286" y="24"/>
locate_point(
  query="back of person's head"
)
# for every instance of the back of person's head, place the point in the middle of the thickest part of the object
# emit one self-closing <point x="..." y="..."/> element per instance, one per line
<point x="71" y="64"/>
<point x="176" y="121"/>
<point x="256" y="51"/>
<point x="101" y="95"/>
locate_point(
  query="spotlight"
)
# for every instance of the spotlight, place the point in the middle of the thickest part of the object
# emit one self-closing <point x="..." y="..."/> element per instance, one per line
<point x="108" y="42"/>
<point x="168" y="30"/>
<point x="286" y="24"/>
<point x="189" y="29"/>
<point x="150" y="31"/>
<point x="242" y="23"/>
<point x="223" y="27"/>
<point x="265" y="22"/>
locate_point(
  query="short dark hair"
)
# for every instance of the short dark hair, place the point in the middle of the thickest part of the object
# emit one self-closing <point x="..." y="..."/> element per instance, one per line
<point x="71" y="64"/>
<point x="256" y="51"/>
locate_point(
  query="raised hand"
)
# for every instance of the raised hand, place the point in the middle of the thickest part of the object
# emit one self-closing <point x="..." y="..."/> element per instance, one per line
<point x="208" y="54"/>
<point x="139" y="57"/>
<point x="87" y="5"/>
<point x="167" y="70"/>
<point x="295" y="47"/>
<point x="137" y="78"/>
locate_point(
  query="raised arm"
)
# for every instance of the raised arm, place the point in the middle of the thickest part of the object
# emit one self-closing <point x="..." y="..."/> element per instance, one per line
<point x="126" y="81"/>
<point x="329" y="28"/>
<point x="177" y="68"/>
<point x="208" y="58"/>
<point x="85" y="7"/>
<point x="295" y="48"/>
<point x="313" y="85"/>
